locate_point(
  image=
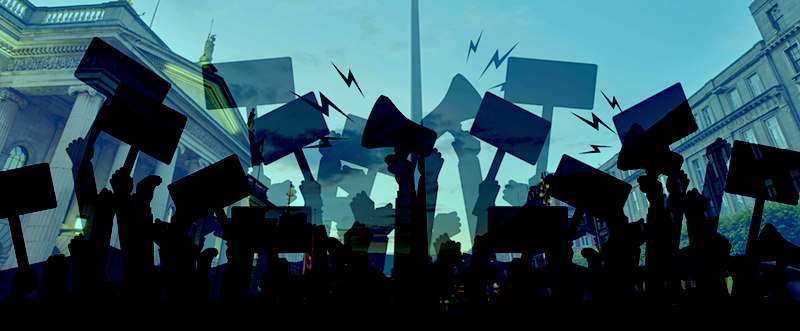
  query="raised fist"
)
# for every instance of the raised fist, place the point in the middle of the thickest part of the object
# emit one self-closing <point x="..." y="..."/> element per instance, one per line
<point x="433" y="164"/>
<point x="694" y="203"/>
<point x="487" y="193"/>
<point x="399" y="166"/>
<point x="650" y="185"/>
<point x="104" y="203"/>
<point x="144" y="190"/>
<point x="465" y="143"/>
<point x="78" y="151"/>
<point x="121" y="182"/>
<point x="78" y="246"/>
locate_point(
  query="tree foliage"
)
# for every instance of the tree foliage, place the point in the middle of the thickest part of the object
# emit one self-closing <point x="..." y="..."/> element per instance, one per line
<point x="736" y="226"/>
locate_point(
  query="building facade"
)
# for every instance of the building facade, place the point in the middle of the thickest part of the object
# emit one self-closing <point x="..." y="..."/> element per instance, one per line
<point x="754" y="99"/>
<point x="43" y="108"/>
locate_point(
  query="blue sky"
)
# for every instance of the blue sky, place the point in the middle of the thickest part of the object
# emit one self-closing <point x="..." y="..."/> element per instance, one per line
<point x="640" y="48"/>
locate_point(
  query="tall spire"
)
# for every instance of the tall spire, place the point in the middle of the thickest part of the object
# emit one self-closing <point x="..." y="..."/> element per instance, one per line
<point x="416" y="75"/>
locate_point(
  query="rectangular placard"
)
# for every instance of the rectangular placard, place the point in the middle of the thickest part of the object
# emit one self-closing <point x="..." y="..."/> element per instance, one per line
<point x="553" y="83"/>
<point x="27" y="190"/>
<point x="764" y="172"/>
<point x="510" y="128"/>
<point x="593" y="191"/>
<point x="210" y="189"/>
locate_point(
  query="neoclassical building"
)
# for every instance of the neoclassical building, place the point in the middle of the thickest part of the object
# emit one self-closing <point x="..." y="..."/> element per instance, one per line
<point x="43" y="108"/>
<point x="755" y="99"/>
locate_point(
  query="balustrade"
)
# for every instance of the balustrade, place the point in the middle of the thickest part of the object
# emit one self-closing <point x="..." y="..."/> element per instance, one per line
<point x="74" y="15"/>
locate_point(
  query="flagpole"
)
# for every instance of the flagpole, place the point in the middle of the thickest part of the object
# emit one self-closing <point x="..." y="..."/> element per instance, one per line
<point x="154" y="14"/>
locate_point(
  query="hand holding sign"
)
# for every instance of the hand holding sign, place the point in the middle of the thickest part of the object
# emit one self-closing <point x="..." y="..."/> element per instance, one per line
<point x="31" y="181"/>
<point x="208" y="191"/>
<point x="648" y="128"/>
<point x="511" y="129"/>
<point x="764" y="173"/>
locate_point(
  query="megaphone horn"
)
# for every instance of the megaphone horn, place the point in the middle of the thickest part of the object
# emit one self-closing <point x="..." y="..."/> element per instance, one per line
<point x="388" y="127"/>
<point x="460" y="103"/>
<point x="771" y="246"/>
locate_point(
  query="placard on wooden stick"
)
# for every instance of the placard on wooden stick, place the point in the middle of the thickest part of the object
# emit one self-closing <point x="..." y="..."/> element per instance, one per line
<point x="590" y="190"/>
<point x="26" y="190"/>
<point x="210" y="189"/>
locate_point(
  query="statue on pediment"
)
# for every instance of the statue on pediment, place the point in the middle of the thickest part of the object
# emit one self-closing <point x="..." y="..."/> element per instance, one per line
<point x="209" y="49"/>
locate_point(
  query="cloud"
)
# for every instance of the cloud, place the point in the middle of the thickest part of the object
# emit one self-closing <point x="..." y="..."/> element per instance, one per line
<point x="301" y="4"/>
<point x="430" y="44"/>
<point x="368" y="28"/>
<point x="399" y="47"/>
<point x="306" y="59"/>
<point x="336" y="54"/>
<point x="486" y="17"/>
<point x="742" y="37"/>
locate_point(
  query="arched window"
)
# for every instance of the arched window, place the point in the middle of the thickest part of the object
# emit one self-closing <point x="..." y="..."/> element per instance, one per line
<point x="17" y="158"/>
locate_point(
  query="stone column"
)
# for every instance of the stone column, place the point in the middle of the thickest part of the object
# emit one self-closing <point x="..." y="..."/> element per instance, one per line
<point x="41" y="229"/>
<point x="161" y="193"/>
<point x="10" y="104"/>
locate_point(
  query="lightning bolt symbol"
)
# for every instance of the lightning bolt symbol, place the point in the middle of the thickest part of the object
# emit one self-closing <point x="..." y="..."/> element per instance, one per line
<point x="349" y="79"/>
<point x="594" y="122"/>
<point x="497" y="62"/>
<point x="326" y="104"/>
<point x="474" y="48"/>
<point x="324" y="142"/>
<point x="595" y="149"/>
<point x="612" y="103"/>
<point x="502" y="86"/>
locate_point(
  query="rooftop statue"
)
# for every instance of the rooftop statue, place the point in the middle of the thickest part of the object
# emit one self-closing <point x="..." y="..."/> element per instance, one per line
<point x="209" y="49"/>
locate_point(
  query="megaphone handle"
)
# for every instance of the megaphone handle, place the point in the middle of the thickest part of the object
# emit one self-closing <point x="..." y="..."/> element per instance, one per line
<point x="498" y="158"/>
<point x="19" y="242"/>
<point x="755" y="226"/>
<point x="301" y="160"/>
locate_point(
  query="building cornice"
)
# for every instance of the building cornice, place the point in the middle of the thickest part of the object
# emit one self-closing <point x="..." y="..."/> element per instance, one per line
<point x="773" y="92"/>
<point x="782" y="37"/>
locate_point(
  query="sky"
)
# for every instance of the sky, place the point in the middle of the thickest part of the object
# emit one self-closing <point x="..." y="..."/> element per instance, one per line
<point x="640" y="48"/>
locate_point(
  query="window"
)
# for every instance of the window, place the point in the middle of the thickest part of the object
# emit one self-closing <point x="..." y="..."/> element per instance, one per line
<point x="18" y="158"/>
<point x="584" y="241"/>
<point x="770" y="187"/>
<point x="710" y="162"/>
<point x="635" y="202"/>
<point x="748" y="136"/>
<point x="755" y="85"/>
<point x="709" y="116"/>
<point x="775" y="132"/>
<point x="776" y="18"/>
<point x="794" y="57"/>
<point x="697" y="120"/>
<point x="736" y="100"/>
<point x="698" y="171"/>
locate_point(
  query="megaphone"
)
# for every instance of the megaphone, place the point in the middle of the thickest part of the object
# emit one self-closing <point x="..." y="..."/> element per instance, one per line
<point x="388" y="127"/>
<point x="460" y="103"/>
<point x="771" y="246"/>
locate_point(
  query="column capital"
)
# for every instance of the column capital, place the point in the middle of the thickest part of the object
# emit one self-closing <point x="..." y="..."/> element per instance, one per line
<point x="12" y="95"/>
<point x="203" y="163"/>
<point x="181" y="148"/>
<point x="75" y="89"/>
